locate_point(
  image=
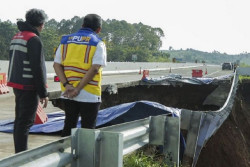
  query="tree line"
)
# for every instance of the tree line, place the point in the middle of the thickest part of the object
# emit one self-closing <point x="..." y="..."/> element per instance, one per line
<point x="215" y="57"/>
<point x="124" y="41"/>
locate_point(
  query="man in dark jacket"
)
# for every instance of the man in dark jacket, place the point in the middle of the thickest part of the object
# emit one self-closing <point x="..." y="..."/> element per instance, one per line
<point x="27" y="75"/>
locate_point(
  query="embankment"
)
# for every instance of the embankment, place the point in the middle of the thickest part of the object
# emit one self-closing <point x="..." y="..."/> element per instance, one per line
<point x="230" y="146"/>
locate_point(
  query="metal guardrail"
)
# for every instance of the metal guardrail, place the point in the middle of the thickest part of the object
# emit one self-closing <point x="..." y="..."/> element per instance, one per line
<point x="57" y="153"/>
<point x="104" y="147"/>
<point x="201" y="125"/>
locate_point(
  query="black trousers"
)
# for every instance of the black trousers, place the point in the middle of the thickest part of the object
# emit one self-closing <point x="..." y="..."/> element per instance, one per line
<point x="25" y="112"/>
<point x="74" y="109"/>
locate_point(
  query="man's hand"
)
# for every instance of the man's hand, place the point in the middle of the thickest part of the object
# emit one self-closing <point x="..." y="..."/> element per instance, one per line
<point x="70" y="91"/>
<point x="68" y="88"/>
<point x="44" y="101"/>
<point x="73" y="93"/>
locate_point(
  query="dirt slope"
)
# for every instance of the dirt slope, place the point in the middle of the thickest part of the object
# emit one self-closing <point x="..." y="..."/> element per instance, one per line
<point x="230" y="146"/>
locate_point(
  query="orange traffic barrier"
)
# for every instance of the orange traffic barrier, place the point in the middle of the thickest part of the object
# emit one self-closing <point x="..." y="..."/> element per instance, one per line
<point x="196" y="73"/>
<point x="145" y="74"/>
<point x="41" y="116"/>
<point x="3" y="79"/>
<point x="3" y="84"/>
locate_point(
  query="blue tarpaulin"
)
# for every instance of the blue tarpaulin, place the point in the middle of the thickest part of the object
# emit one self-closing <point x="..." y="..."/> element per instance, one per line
<point x="110" y="116"/>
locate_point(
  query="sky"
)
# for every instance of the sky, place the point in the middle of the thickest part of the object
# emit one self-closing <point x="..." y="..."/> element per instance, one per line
<point x="205" y="25"/>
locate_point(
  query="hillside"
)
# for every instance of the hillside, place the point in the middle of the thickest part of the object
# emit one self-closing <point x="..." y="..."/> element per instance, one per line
<point x="191" y="55"/>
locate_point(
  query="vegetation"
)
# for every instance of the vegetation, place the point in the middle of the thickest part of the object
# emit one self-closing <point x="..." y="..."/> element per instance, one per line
<point x="244" y="65"/>
<point x="191" y="55"/>
<point x="243" y="78"/>
<point x="7" y="30"/>
<point x="122" y="39"/>
<point x="139" y="159"/>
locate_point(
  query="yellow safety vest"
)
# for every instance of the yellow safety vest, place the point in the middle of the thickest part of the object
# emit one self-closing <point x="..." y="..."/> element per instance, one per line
<point x="77" y="53"/>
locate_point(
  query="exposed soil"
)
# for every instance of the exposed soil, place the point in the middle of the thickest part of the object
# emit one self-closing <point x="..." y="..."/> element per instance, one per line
<point x="185" y="96"/>
<point x="230" y="146"/>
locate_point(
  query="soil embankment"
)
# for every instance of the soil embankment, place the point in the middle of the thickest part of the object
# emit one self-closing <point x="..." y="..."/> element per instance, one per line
<point x="185" y="96"/>
<point x="230" y="146"/>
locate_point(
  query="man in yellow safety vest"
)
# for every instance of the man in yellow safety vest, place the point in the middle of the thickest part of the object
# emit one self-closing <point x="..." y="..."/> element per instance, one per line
<point x="78" y="63"/>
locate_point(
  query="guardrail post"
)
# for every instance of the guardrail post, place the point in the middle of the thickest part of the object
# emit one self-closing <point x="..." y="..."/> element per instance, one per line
<point x="111" y="150"/>
<point x="166" y="131"/>
<point x="156" y="132"/>
<point x="192" y="137"/>
<point x="202" y="135"/>
<point x="171" y="145"/>
<point x="94" y="148"/>
<point x="83" y="147"/>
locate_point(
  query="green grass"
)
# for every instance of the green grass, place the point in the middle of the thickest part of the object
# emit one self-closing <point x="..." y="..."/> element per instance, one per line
<point x="139" y="159"/>
<point x="244" y="65"/>
<point x="241" y="78"/>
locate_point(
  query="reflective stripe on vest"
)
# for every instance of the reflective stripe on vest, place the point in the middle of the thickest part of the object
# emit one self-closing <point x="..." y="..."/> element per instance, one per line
<point x="68" y="68"/>
<point x="79" y="79"/>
